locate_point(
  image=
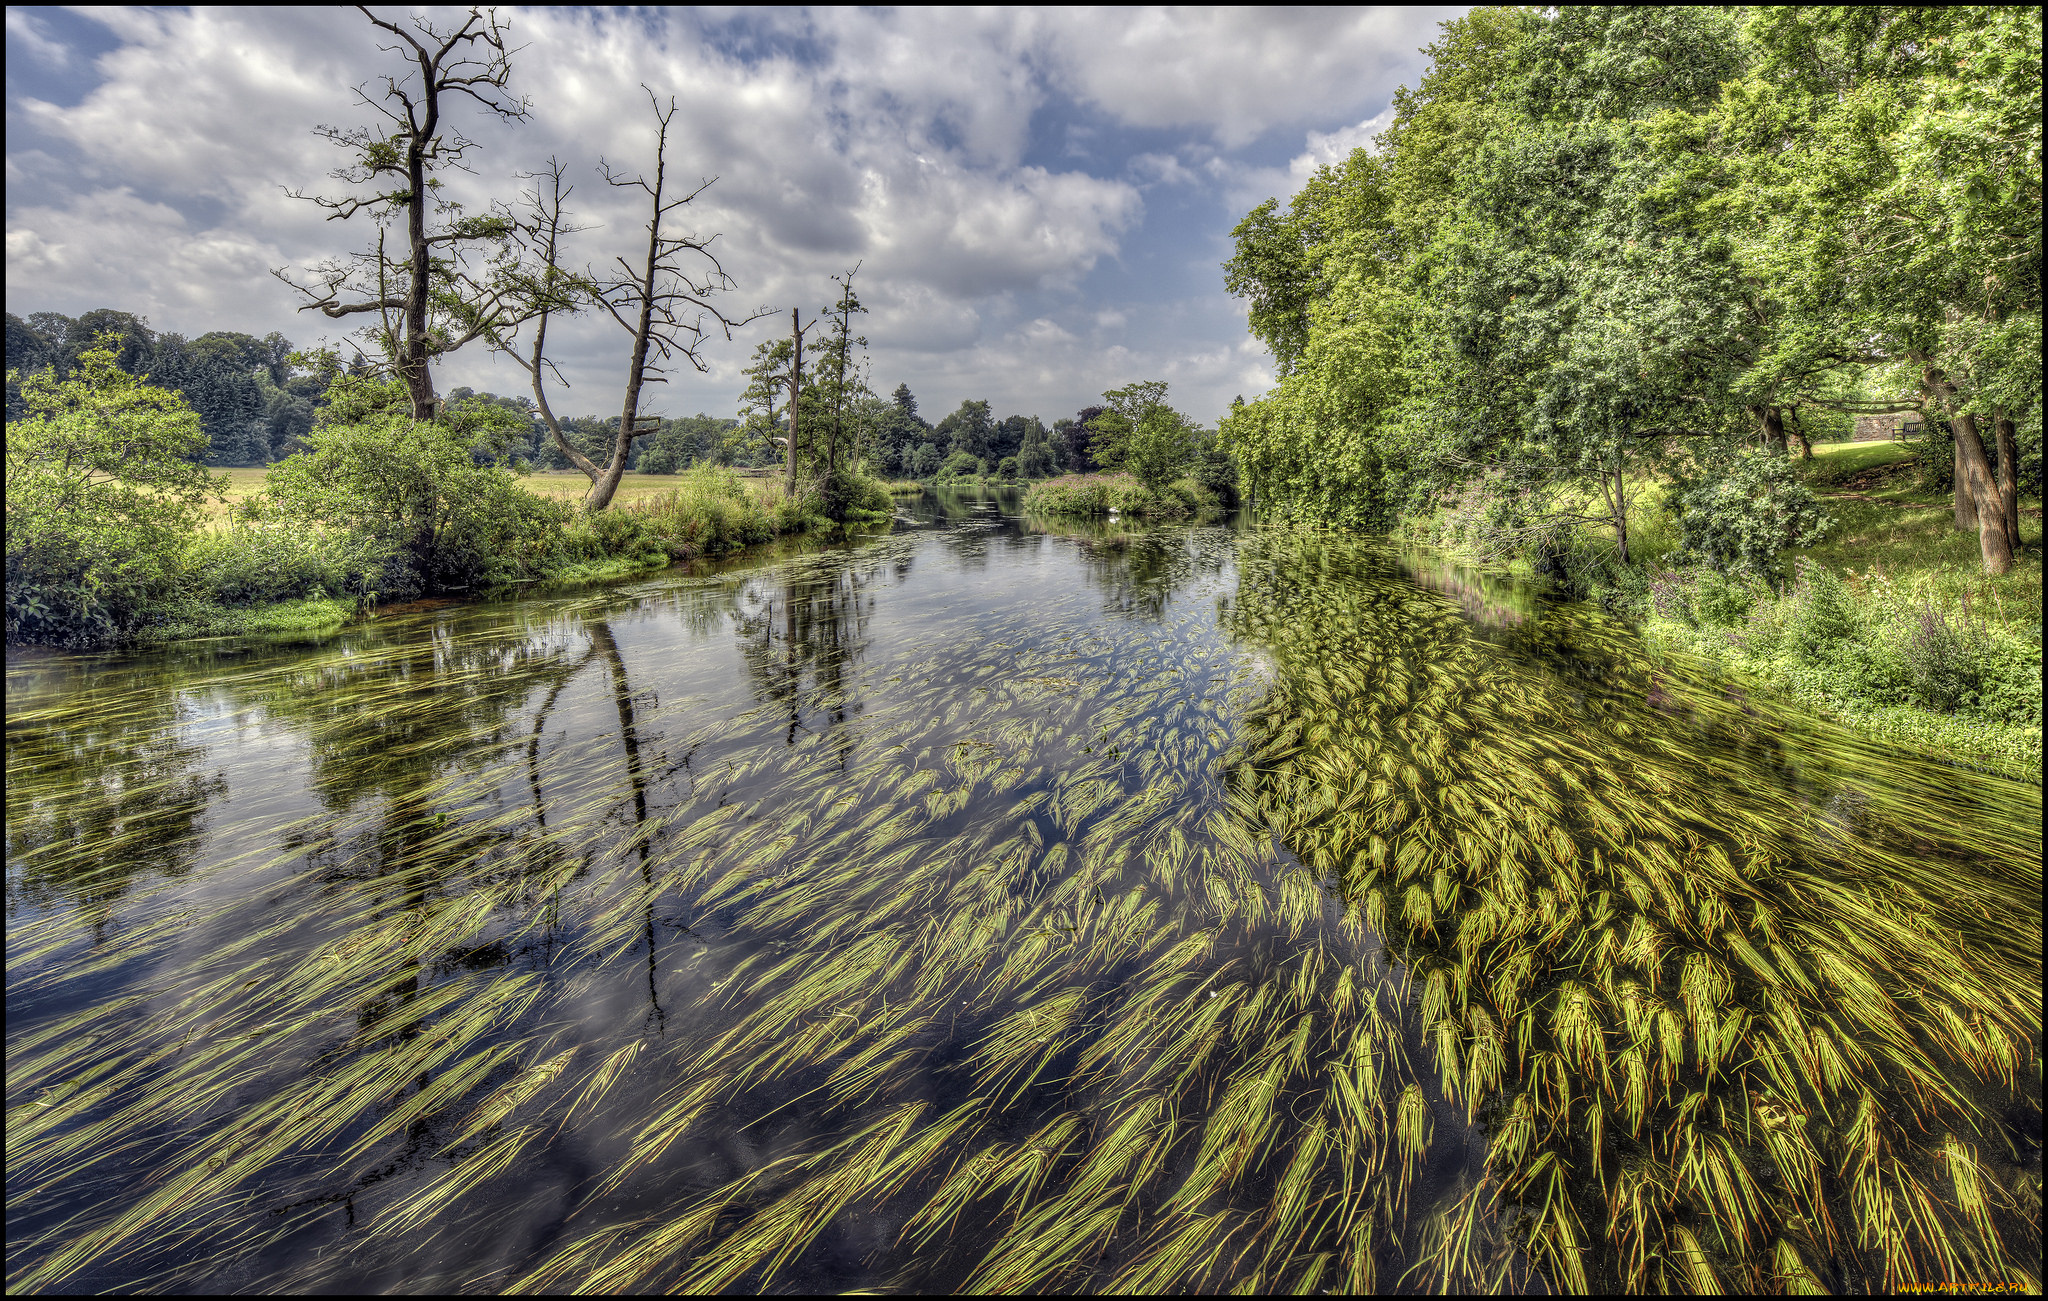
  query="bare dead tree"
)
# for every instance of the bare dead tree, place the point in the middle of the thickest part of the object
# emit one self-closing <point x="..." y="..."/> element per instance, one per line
<point x="544" y="290"/>
<point x="796" y="388"/>
<point x="664" y="304"/>
<point x="428" y="301"/>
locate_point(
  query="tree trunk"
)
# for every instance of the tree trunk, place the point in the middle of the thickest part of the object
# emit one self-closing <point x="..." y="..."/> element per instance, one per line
<point x="796" y="384"/>
<point x="1973" y="477"/>
<point x="1621" y="512"/>
<point x="412" y="358"/>
<point x="1993" y="541"/>
<point x="1798" y="431"/>
<point x="2008" y="473"/>
<point x="1966" y="501"/>
<point x="1774" y="428"/>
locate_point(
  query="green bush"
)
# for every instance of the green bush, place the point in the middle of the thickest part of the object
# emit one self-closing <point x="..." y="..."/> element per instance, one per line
<point x="411" y="492"/>
<point x="1215" y="470"/>
<point x="607" y="535"/>
<point x="1720" y="602"/>
<point x="1160" y="447"/>
<point x="1882" y="647"/>
<point x="256" y="563"/>
<point x="1819" y="615"/>
<point x="1934" y="457"/>
<point x="1071" y="495"/>
<point x="1743" y="511"/>
<point x="102" y="495"/>
<point x="962" y="465"/>
<point x="1084" y="495"/>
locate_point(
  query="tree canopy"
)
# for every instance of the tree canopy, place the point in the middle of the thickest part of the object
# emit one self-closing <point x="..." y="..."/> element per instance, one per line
<point x="1596" y="242"/>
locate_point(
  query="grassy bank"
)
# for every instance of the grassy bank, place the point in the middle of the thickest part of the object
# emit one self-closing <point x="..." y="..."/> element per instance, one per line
<point x="1887" y="623"/>
<point x="251" y="573"/>
<point x="565" y="486"/>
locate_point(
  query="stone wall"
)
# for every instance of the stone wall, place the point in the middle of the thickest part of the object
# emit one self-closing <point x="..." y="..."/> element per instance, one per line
<point x="1899" y="424"/>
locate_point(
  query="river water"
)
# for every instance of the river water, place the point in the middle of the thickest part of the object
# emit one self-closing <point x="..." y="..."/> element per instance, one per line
<point x="1002" y="904"/>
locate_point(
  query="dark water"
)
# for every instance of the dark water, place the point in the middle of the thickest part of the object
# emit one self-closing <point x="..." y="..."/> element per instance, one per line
<point x="998" y="904"/>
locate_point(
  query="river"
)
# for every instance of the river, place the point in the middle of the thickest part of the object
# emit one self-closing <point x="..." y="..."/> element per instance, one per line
<point x="1002" y="904"/>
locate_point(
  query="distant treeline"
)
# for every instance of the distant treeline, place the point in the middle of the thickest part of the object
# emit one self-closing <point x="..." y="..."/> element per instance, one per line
<point x="256" y="397"/>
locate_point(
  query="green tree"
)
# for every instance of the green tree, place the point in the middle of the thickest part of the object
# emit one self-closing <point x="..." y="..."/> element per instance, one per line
<point x="102" y="494"/>
<point x="414" y="492"/>
<point x="421" y="278"/>
<point x="1902" y="186"/>
<point x="1161" y="447"/>
<point x="839" y="382"/>
<point x="900" y="433"/>
<point x="686" y="442"/>
<point x="1035" y="459"/>
<point x="970" y="428"/>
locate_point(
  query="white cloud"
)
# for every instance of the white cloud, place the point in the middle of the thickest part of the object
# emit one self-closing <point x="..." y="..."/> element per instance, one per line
<point x="1162" y="169"/>
<point x="26" y="32"/>
<point x="1237" y="72"/>
<point x="1326" y="147"/>
<point x="894" y="139"/>
<point x="1247" y="186"/>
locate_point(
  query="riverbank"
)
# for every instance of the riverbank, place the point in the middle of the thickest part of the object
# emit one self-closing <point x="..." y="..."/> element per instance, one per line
<point x="1887" y="624"/>
<point x="254" y="574"/>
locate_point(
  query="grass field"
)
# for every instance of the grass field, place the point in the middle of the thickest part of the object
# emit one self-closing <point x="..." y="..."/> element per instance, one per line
<point x="565" y="485"/>
<point x="1894" y="527"/>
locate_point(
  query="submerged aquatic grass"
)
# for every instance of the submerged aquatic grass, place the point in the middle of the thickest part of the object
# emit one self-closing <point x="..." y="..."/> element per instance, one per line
<point x="1243" y="920"/>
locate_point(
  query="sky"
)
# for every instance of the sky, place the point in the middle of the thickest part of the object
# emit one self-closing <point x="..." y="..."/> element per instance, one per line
<point x="1039" y="201"/>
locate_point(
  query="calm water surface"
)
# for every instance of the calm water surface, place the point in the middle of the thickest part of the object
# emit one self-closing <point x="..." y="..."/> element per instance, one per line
<point x="993" y="904"/>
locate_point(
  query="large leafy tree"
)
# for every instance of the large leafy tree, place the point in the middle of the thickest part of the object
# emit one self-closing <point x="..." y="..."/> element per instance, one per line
<point x="102" y="492"/>
<point x="969" y="428"/>
<point x="1905" y="152"/>
<point x="847" y="419"/>
<point x="1596" y="239"/>
<point x="432" y="277"/>
<point x="901" y="430"/>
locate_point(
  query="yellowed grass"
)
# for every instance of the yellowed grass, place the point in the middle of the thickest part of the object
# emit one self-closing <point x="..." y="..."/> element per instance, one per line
<point x="242" y="484"/>
<point x="570" y="485"/>
<point x="565" y="485"/>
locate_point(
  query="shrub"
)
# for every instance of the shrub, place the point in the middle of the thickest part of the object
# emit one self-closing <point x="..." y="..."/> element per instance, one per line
<point x="1744" y="511"/>
<point x="962" y="465"/>
<point x="102" y="496"/>
<point x="1934" y="453"/>
<point x="257" y="563"/>
<point x="1721" y="603"/>
<point x="411" y="491"/>
<point x="1077" y="495"/>
<point x="1159" y="448"/>
<point x="1215" y="470"/>
<point x="607" y="534"/>
<point x="1082" y="495"/>
<point x="845" y="495"/>
<point x="1820" y="617"/>
<point x="1942" y="660"/>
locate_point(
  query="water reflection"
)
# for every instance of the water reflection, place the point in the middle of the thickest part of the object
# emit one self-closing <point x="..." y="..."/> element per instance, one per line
<point x="96" y="797"/>
<point x="992" y="906"/>
<point x="802" y="635"/>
